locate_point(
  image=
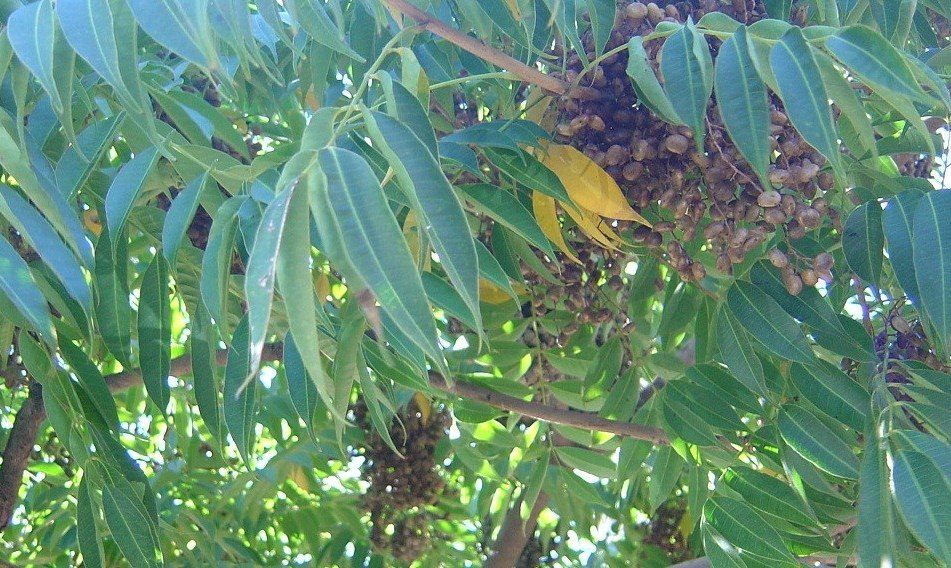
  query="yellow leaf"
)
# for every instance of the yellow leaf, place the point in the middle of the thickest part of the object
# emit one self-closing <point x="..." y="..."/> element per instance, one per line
<point x="537" y="107"/>
<point x="588" y="185"/>
<point x="91" y="221"/>
<point x="513" y="8"/>
<point x="321" y="286"/>
<point x="311" y="100"/>
<point x="422" y="404"/>
<point x="297" y="474"/>
<point x="489" y="293"/>
<point x="411" y="234"/>
<point x="595" y="227"/>
<point x="544" y="208"/>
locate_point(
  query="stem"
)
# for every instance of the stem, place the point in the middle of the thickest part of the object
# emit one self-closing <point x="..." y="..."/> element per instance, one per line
<point x="482" y="76"/>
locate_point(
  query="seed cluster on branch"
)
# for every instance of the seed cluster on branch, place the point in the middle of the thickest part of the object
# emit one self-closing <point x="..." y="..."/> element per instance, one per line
<point x="704" y="196"/>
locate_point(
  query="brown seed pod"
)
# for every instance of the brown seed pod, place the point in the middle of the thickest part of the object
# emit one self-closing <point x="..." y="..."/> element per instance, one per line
<point x="809" y="277"/>
<point x="767" y="199"/>
<point x="791" y="281"/>
<point x="778" y="258"/>
<point x="677" y="143"/>
<point x="823" y="261"/>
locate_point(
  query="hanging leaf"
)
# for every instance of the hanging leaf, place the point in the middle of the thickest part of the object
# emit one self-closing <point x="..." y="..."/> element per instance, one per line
<point x="876" y="61"/>
<point x="313" y="19"/>
<point x="932" y="241"/>
<point x="113" y="312"/>
<point x="588" y="185"/>
<point x="741" y="98"/>
<point x="440" y="212"/>
<point x="240" y="405"/>
<point x="688" y="77"/>
<point x="155" y="331"/>
<point x="525" y="169"/>
<point x="205" y="379"/>
<point x="876" y="527"/>
<point x="645" y="82"/>
<point x="95" y="29"/>
<point x="832" y="391"/>
<point x="853" y="111"/>
<point x="863" y="241"/>
<point x="179" y="216"/>
<point x="376" y="248"/>
<point x="803" y="93"/>
<point x="737" y="352"/>
<point x="87" y="533"/>
<point x="898" y="227"/>
<point x="770" y="496"/>
<point x="505" y="208"/>
<point x="816" y="442"/>
<point x="216" y="262"/>
<point x="177" y="28"/>
<point x="130" y="525"/>
<point x="17" y="284"/>
<point x="125" y="188"/>
<point x="35" y="38"/>
<point x="923" y="496"/>
<point x="303" y="393"/>
<point x="769" y="325"/>
<point x="746" y="529"/>
<point x="665" y="472"/>
<point x="543" y="206"/>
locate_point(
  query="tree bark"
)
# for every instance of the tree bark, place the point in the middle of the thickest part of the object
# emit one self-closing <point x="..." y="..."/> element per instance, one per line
<point x="514" y="533"/>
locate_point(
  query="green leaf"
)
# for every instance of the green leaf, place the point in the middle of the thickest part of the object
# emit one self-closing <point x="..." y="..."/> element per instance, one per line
<point x="832" y="391"/>
<point x="741" y="97"/>
<point x="811" y="308"/>
<point x="204" y="369"/>
<point x="863" y="241"/>
<point x="444" y="296"/>
<point x="770" y="496"/>
<point x="602" y="13"/>
<point x="924" y="500"/>
<point x="216" y="262"/>
<point x="491" y="270"/>
<point x="685" y="420"/>
<point x="17" y="284"/>
<point x="125" y="188"/>
<point x="606" y="365"/>
<point x="720" y="552"/>
<point x="746" y="529"/>
<point x="240" y="406"/>
<point x="665" y="472"/>
<point x="772" y="327"/>
<point x="80" y="161"/>
<point x="816" y="442"/>
<point x="90" y="379"/>
<point x="155" y="331"/>
<point x="375" y="245"/>
<point x="876" y="61"/>
<point x="898" y="226"/>
<point x="590" y="461"/>
<point x="179" y="216"/>
<point x="315" y="22"/>
<point x="876" y="515"/>
<point x="35" y="38"/>
<point x="645" y="82"/>
<point x="803" y="93"/>
<point x="528" y="171"/>
<point x="262" y="272"/>
<point x="130" y="525"/>
<point x="178" y="28"/>
<point x="932" y="243"/>
<point x="853" y="111"/>
<point x="505" y="208"/>
<point x="113" y="313"/>
<point x="404" y="107"/>
<point x="737" y="353"/>
<point x="40" y="235"/>
<point x="303" y="393"/>
<point x="95" y="29"/>
<point x="440" y="212"/>
<point x="87" y="533"/>
<point x="688" y="77"/>
<point x="296" y="285"/>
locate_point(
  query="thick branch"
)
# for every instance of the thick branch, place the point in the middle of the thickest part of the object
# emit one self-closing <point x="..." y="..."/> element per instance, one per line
<point x="16" y="454"/>
<point x="514" y="533"/>
<point x="479" y="49"/>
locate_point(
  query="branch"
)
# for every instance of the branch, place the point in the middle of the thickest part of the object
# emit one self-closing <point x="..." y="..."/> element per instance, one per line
<point x="538" y="411"/>
<point x="514" y="534"/>
<point x="477" y="48"/>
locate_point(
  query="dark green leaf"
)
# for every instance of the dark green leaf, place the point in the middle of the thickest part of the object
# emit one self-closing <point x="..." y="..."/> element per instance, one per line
<point x="688" y="77"/>
<point x="932" y="243"/>
<point x="742" y="102"/>
<point x="130" y="525"/>
<point x="528" y="171"/>
<point x="125" y="188"/>
<point x="863" y="241"/>
<point x="17" y="284"/>
<point x="178" y="28"/>
<point x="205" y="369"/>
<point x="737" y="353"/>
<point x="770" y="495"/>
<point x="113" y="312"/>
<point x="314" y="20"/>
<point x="898" y="225"/>
<point x="601" y="13"/>
<point x="155" y="331"/>
<point x="746" y="529"/>
<point x="179" y="216"/>
<point x="87" y="533"/>
<point x="645" y="83"/>
<point x="772" y="327"/>
<point x="303" y="393"/>
<point x="240" y="405"/>
<point x="924" y="500"/>
<point x="216" y="262"/>
<point x="876" y="527"/>
<point x="803" y="93"/>
<point x="35" y="38"/>
<point x="505" y="208"/>
<point x="665" y="472"/>
<point x="816" y="442"/>
<point x="586" y="460"/>
<point x="832" y="391"/>
<point x="90" y="380"/>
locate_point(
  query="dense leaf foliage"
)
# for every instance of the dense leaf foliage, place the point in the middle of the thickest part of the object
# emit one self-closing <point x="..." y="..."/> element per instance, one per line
<point x="312" y="282"/>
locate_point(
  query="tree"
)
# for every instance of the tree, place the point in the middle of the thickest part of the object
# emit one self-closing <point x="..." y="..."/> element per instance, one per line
<point x="375" y="282"/>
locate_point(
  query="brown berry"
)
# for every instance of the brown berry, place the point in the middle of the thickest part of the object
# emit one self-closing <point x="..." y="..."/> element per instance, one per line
<point x="768" y="199"/>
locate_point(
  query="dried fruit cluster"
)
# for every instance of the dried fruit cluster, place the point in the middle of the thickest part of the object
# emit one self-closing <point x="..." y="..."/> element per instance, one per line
<point x="703" y="196"/>
<point x="402" y="486"/>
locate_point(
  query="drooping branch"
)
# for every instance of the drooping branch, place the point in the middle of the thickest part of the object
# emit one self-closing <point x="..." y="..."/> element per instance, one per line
<point x="479" y="49"/>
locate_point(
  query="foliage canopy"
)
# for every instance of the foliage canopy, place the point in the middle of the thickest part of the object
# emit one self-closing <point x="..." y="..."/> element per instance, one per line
<point x="372" y="282"/>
